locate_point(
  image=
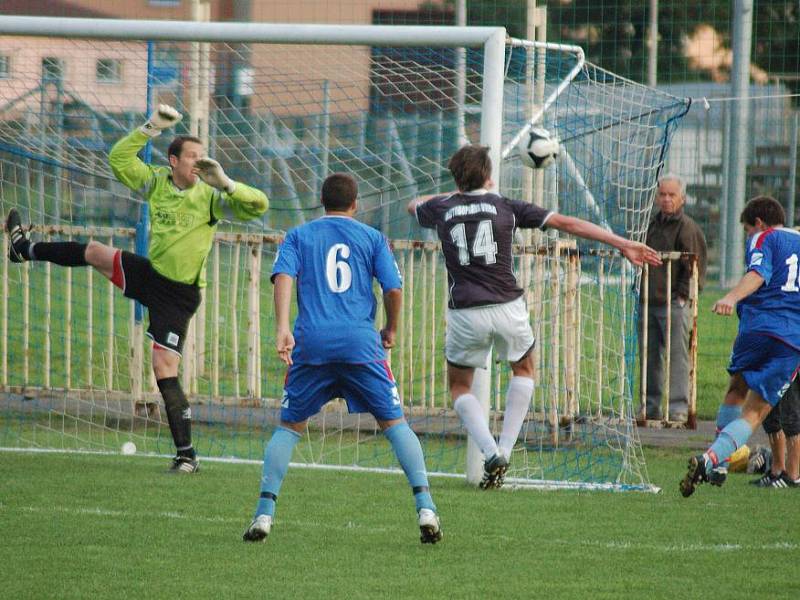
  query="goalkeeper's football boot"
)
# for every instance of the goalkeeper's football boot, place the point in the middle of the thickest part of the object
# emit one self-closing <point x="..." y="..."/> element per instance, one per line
<point x="494" y="472"/>
<point x="184" y="464"/>
<point x="18" y="248"/>
<point x="430" y="529"/>
<point x="259" y="529"/>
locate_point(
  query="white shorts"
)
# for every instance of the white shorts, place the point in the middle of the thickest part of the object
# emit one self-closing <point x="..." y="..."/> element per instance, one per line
<point x="471" y="333"/>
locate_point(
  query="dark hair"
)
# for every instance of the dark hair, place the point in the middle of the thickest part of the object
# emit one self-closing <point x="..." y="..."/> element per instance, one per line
<point x="339" y="191"/>
<point x="470" y="167"/>
<point x="765" y="208"/>
<point x="176" y="147"/>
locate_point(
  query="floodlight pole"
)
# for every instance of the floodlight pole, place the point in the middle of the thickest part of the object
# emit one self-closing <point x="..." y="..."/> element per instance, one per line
<point x="739" y="139"/>
<point x="652" y="45"/>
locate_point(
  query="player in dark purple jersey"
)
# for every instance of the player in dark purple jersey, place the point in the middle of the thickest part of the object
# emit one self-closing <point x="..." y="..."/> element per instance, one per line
<point x="486" y="306"/>
<point x="766" y="353"/>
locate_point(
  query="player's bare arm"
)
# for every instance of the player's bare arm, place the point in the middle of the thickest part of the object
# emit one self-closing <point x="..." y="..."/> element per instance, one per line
<point x="746" y="286"/>
<point x="284" y="340"/>
<point x="392" y="302"/>
<point x="636" y="252"/>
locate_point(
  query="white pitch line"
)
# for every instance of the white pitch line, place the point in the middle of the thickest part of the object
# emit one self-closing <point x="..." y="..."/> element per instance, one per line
<point x="512" y="483"/>
<point x="351" y="526"/>
<point x="114" y="513"/>
<point x="672" y="548"/>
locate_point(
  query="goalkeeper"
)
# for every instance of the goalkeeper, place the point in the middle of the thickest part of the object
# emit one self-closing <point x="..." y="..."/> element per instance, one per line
<point x="184" y="215"/>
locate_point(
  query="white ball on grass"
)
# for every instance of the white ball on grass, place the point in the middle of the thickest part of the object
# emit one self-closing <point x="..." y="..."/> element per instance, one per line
<point x="129" y="448"/>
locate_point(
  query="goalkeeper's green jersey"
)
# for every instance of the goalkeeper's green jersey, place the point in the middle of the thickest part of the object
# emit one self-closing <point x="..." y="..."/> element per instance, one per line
<point x="182" y="222"/>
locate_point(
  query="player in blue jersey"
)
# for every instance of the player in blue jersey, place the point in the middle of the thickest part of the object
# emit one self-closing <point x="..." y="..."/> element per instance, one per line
<point x="766" y="352"/>
<point x="486" y="306"/>
<point x="335" y="351"/>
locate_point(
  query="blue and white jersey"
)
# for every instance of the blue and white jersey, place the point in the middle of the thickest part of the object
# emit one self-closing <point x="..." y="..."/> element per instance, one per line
<point x="773" y="309"/>
<point x="334" y="260"/>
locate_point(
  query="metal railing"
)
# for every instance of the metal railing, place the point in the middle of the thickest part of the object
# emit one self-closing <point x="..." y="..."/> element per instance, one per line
<point x="79" y="337"/>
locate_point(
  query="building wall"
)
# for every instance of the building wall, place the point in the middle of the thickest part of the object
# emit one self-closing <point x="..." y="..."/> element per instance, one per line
<point x="284" y="80"/>
<point x="150" y="9"/>
<point x="345" y="69"/>
<point x="272" y="11"/>
<point x="79" y="58"/>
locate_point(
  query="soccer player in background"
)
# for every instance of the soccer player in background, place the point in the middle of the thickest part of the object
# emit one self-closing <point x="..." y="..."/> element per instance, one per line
<point x="782" y="458"/>
<point x="335" y="351"/>
<point x="766" y="353"/>
<point x="486" y="306"/>
<point x="187" y="200"/>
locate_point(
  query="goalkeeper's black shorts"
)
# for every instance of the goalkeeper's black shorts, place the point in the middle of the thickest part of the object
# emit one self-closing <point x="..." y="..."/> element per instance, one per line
<point x="170" y="304"/>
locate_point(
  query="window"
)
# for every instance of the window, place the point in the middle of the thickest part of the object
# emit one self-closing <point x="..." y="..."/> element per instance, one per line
<point x="5" y="66"/>
<point x="164" y="2"/>
<point x="52" y="68"/>
<point x="108" y="70"/>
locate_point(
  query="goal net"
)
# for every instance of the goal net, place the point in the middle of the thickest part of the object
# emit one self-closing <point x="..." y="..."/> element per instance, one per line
<point x="281" y="110"/>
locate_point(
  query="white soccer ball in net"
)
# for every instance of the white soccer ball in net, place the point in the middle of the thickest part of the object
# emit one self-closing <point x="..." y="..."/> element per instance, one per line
<point x="128" y="448"/>
<point x="538" y="148"/>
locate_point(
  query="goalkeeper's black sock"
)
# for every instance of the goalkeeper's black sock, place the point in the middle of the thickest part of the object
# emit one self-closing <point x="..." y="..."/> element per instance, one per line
<point x="179" y="415"/>
<point x="66" y="254"/>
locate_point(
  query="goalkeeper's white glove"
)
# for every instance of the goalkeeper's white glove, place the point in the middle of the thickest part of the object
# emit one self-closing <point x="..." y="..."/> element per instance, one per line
<point x="163" y="117"/>
<point x="211" y="172"/>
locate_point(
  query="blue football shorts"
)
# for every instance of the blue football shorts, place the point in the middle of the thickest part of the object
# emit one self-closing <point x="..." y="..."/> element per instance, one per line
<point x="368" y="387"/>
<point x="767" y="364"/>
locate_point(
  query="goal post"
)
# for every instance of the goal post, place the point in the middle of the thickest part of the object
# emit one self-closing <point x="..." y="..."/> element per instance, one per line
<point x="382" y="102"/>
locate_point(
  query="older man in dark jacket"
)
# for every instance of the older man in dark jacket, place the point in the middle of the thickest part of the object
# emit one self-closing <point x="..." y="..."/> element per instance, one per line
<point x="671" y="230"/>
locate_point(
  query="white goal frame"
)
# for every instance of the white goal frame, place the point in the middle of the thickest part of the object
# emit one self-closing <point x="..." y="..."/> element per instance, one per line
<point x="492" y="40"/>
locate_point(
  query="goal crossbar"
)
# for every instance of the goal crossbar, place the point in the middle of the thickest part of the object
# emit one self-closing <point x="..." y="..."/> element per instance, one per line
<point x="276" y="33"/>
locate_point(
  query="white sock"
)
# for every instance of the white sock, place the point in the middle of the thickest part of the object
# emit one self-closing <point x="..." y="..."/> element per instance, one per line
<point x="472" y="416"/>
<point x="518" y="399"/>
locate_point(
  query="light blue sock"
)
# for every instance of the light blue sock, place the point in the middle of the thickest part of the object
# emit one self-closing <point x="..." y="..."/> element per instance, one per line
<point x="409" y="453"/>
<point x="276" y="462"/>
<point x="727" y="413"/>
<point x="735" y="434"/>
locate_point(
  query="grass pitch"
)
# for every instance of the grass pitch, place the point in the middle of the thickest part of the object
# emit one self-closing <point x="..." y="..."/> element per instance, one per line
<point x="105" y="526"/>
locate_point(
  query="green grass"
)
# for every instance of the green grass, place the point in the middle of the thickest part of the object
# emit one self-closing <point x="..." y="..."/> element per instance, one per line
<point x="78" y="526"/>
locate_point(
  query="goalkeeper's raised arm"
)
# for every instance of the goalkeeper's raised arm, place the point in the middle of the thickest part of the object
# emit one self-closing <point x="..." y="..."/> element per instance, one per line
<point x="125" y="163"/>
<point x="187" y="165"/>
